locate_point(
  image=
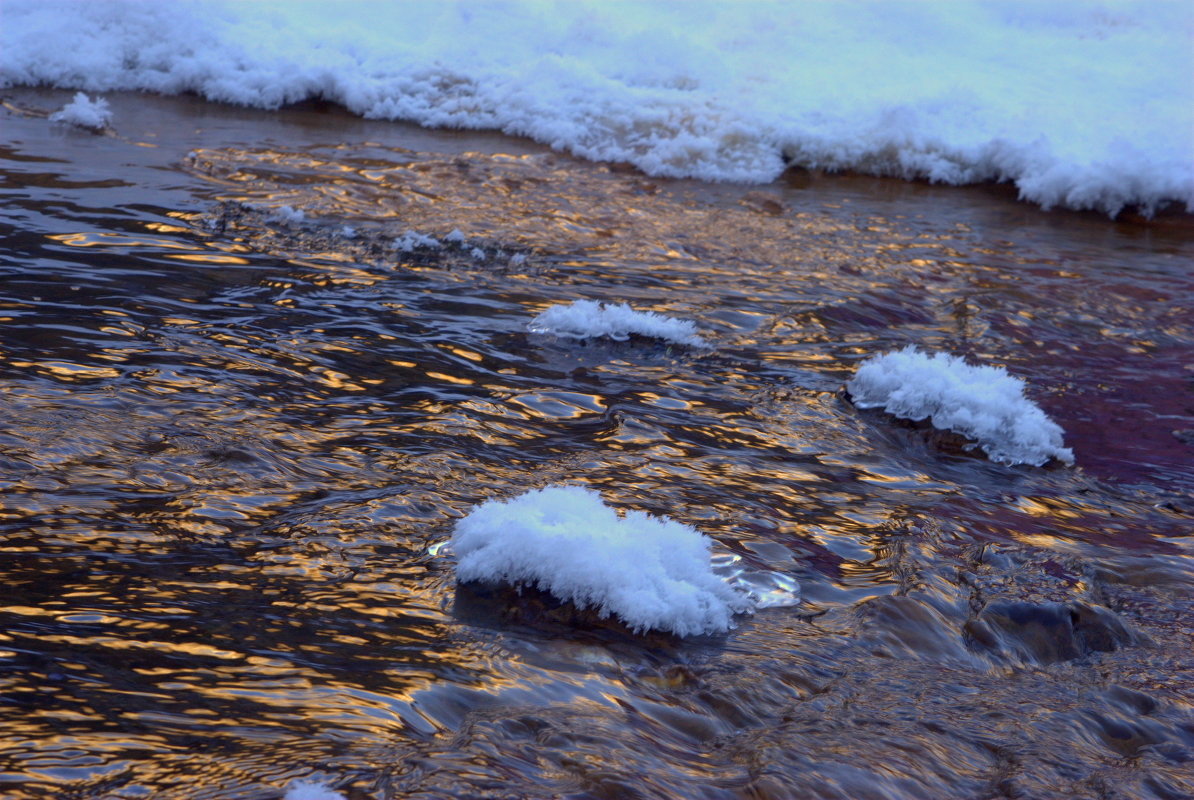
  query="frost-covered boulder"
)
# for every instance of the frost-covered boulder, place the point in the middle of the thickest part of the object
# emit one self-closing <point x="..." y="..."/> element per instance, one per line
<point x="982" y="403"/>
<point x="650" y="572"/>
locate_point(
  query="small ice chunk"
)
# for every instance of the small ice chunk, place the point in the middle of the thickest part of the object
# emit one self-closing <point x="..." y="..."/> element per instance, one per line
<point x="518" y="259"/>
<point x="589" y="318"/>
<point x="83" y="112"/>
<point x="305" y="790"/>
<point x="650" y="572"/>
<point x="455" y="237"/>
<point x="348" y="232"/>
<point x="477" y="254"/>
<point x="765" y="588"/>
<point x="983" y="403"/>
<point x="412" y="239"/>
<point x="288" y="214"/>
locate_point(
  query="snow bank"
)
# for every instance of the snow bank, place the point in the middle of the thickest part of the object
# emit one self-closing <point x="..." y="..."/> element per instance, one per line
<point x="83" y="112"/>
<point x="982" y="403"/>
<point x="1080" y="104"/>
<point x="649" y="572"/>
<point x="589" y="318"/>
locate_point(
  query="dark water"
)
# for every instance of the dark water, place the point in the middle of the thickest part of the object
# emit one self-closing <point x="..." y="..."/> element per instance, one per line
<point x="231" y="448"/>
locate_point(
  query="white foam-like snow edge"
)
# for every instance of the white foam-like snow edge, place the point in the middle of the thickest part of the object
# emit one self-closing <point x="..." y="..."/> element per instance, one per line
<point x="650" y="572"/>
<point x="83" y="112"/>
<point x="1083" y="105"/>
<point x="980" y="402"/>
<point x="583" y="319"/>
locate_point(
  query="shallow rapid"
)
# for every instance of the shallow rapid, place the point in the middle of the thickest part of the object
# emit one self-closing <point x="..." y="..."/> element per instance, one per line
<point x="236" y="438"/>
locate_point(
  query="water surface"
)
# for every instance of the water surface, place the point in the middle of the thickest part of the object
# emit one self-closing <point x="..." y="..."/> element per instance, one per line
<point x="232" y="447"/>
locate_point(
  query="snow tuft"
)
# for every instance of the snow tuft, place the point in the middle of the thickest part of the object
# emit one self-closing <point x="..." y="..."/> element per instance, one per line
<point x="412" y="239"/>
<point x="590" y="318"/>
<point x="650" y="572"/>
<point x="288" y="214"/>
<point x="83" y="112"/>
<point x="982" y="403"/>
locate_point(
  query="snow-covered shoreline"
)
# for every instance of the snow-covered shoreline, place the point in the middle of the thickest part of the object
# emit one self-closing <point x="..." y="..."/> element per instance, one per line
<point x="1078" y="105"/>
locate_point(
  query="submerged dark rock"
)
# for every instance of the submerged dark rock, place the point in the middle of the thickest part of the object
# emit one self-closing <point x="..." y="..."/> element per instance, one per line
<point x="1046" y="633"/>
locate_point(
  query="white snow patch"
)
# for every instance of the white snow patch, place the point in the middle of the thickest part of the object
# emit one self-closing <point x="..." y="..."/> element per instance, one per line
<point x="477" y="254"/>
<point x="288" y="214"/>
<point x="982" y="403"/>
<point x="650" y="572"/>
<point x="455" y="236"/>
<point x="83" y="112"/>
<point x="305" y="790"/>
<point x="518" y="259"/>
<point x="412" y="239"/>
<point x="583" y="319"/>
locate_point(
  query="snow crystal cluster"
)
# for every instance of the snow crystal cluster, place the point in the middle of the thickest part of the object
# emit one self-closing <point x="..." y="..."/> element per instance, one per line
<point x="589" y="318"/>
<point x="288" y="214"/>
<point x="982" y="403"/>
<point x="1079" y="104"/>
<point x="83" y="112"/>
<point x="412" y="239"/>
<point x="650" y="572"/>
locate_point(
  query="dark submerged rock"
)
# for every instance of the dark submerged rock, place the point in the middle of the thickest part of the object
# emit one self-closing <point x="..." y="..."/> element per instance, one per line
<point x="1046" y="633"/>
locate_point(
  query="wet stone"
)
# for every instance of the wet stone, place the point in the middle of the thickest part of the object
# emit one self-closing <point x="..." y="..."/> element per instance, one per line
<point x="1047" y="633"/>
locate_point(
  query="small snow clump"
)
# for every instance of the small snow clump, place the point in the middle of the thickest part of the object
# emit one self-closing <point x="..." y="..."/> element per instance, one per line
<point x="982" y="403"/>
<point x="650" y="572"/>
<point x="412" y="239"/>
<point x="589" y="318"/>
<point x="83" y="112"/>
<point x="288" y="214"/>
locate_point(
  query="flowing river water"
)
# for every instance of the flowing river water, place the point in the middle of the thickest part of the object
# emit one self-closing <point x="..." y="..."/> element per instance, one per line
<point x="233" y="444"/>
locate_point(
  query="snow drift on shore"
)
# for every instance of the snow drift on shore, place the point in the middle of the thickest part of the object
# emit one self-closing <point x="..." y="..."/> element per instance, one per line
<point x="588" y="318"/>
<point x="982" y="403"/>
<point x="651" y="573"/>
<point x="1081" y="104"/>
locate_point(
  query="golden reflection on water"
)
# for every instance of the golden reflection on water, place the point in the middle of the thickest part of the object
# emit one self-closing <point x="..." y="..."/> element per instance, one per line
<point x="226" y="501"/>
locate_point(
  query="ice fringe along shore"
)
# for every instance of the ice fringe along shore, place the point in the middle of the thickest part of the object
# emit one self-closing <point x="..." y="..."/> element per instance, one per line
<point x="982" y="403"/>
<point x="583" y="319"/>
<point x="1081" y="105"/>
<point x="649" y="572"/>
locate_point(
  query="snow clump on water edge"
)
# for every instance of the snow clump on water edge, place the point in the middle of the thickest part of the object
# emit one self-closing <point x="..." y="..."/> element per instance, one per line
<point x="83" y="112"/>
<point x="589" y="318"/>
<point x="650" y="572"/>
<point x="983" y="403"/>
